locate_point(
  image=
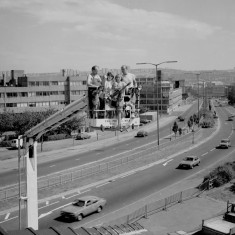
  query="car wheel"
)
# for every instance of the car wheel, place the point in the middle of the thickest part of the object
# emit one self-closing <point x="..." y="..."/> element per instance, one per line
<point x="191" y="167"/>
<point x="79" y="217"/>
<point x="99" y="209"/>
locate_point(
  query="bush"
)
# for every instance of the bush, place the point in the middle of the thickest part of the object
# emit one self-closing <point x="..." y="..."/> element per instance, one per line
<point x="5" y="143"/>
<point x="58" y="137"/>
<point x="221" y="174"/>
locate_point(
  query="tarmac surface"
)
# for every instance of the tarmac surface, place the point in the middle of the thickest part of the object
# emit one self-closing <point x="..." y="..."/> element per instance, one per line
<point x="186" y="216"/>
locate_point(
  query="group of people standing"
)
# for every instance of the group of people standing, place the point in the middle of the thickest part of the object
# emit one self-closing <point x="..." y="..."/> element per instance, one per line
<point x="108" y="86"/>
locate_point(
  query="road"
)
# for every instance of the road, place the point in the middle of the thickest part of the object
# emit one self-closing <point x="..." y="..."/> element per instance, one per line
<point x="135" y="186"/>
<point x="61" y="164"/>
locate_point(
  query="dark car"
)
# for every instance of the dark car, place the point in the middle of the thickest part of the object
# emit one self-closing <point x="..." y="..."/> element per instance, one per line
<point x="145" y="121"/>
<point x="142" y="133"/>
<point x="181" y="119"/>
<point x="82" y="136"/>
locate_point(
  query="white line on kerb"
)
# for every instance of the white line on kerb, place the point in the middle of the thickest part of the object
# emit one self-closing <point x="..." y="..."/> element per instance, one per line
<point x="48" y="205"/>
<point x="204" y="154"/>
<point x="7" y="216"/>
<point x="102" y="184"/>
<point x="212" y="149"/>
<point x="8" y="219"/>
<point x="72" y="196"/>
<point x="52" y="165"/>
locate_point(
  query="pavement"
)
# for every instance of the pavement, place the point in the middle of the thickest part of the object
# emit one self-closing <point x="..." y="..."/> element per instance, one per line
<point x="186" y="216"/>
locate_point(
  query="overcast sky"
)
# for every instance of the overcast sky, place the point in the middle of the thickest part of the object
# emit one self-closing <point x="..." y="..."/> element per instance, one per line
<point x="48" y="35"/>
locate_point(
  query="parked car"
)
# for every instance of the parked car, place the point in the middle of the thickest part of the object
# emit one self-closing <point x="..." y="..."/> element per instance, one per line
<point x="190" y="162"/>
<point x="230" y="118"/>
<point x="82" y="207"/>
<point x="15" y="143"/>
<point x="142" y="133"/>
<point x="145" y="121"/>
<point x="225" y="143"/>
<point x="181" y="119"/>
<point x="82" y="136"/>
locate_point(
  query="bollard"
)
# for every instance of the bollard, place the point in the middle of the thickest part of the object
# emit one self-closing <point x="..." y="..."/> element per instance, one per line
<point x="146" y="211"/>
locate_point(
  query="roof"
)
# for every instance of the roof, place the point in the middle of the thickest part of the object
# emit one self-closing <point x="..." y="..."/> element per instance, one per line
<point x="89" y="197"/>
<point x="124" y="229"/>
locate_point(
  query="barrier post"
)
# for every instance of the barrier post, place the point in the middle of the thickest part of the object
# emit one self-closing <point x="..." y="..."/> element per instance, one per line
<point x="146" y="211"/>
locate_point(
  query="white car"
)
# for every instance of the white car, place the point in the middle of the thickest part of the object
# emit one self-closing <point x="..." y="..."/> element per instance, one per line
<point x="190" y="162"/>
<point x="225" y="143"/>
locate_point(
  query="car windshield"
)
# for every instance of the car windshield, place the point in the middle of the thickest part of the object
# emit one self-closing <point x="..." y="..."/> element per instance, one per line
<point x="188" y="159"/>
<point x="79" y="203"/>
<point x="224" y="141"/>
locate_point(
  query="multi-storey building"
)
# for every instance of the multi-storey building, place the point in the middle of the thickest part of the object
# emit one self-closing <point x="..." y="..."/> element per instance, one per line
<point x="40" y="91"/>
<point x="164" y="93"/>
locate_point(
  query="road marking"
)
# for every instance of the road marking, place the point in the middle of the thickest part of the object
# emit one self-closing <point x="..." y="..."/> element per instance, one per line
<point x="131" y="173"/>
<point x="204" y="154"/>
<point x="52" y="165"/>
<point x="212" y="149"/>
<point x="8" y="219"/>
<point x="102" y="184"/>
<point x="97" y="153"/>
<point x="45" y="214"/>
<point x="77" y="159"/>
<point x="48" y="205"/>
<point x="86" y="191"/>
<point x="164" y="164"/>
<point x="7" y="216"/>
<point x="72" y="196"/>
<point x="47" y="202"/>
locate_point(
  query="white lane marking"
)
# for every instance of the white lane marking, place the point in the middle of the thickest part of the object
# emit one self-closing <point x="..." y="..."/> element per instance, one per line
<point x="63" y="197"/>
<point x="8" y="219"/>
<point x="77" y="159"/>
<point x="52" y="165"/>
<point x="164" y="164"/>
<point x="131" y="173"/>
<point x="72" y="196"/>
<point x="45" y="214"/>
<point x="48" y="205"/>
<point x="204" y="154"/>
<point x="7" y="216"/>
<point x="97" y="153"/>
<point x="102" y="184"/>
<point x="86" y="191"/>
<point x="212" y="149"/>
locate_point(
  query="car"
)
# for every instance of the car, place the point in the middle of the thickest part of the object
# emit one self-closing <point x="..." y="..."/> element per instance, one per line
<point x="145" y="121"/>
<point x="230" y="118"/>
<point x="82" y="136"/>
<point x="142" y="133"/>
<point x="190" y="162"/>
<point x="225" y="143"/>
<point x="181" y="119"/>
<point x="82" y="207"/>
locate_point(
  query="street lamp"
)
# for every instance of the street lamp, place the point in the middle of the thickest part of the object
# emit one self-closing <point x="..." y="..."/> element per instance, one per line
<point x="156" y="65"/>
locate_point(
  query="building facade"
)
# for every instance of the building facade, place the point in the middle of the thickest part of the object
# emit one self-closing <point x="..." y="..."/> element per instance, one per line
<point x="40" y="91"/>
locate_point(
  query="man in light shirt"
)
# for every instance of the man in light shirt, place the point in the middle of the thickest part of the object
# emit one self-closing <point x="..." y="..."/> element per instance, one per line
<point x="94" y="79"/>
<point x="128" y="78"/>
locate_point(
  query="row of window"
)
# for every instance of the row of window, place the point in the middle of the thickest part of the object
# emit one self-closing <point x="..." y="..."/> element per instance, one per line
<point x="39" y="93"/>
<point x="56" y="83"/>
<point x="33" y="104"/>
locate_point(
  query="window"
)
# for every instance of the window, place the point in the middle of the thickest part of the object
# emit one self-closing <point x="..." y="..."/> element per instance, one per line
<point x="22" y="105"/>
<point x="11" y="104"/>
<point x="31" y="83"/>
<point x="45" y="83"/>
<point x="23" y="94"/>
<point x="31" y="94"/>
<point x="53" y="92"/>
<point x="61" y="92"/>
<point x="54" y="103"/>
<point x="11" y="94"/>
<point x="83" y="82"/>
<point x="32" y="104"/>
<point x="54" y="83"/>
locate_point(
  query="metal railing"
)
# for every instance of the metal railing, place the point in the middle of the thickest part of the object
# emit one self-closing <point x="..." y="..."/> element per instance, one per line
<point x="159" y="205"/>
<point x="10" y="192"/>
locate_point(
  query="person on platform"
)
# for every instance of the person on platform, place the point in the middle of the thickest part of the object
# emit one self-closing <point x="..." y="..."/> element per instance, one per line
<point x="94" y="79"/>
<point x="128" y="78"/>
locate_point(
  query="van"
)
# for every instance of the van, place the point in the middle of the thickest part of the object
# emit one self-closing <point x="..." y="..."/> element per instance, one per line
<point x="14" y="143"/>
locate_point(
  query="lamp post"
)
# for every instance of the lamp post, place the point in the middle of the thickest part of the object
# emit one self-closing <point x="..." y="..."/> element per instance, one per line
<point x="156" y="81"/>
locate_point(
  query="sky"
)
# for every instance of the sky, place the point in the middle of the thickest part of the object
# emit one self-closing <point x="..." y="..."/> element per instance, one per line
<point x="49" y="35"/>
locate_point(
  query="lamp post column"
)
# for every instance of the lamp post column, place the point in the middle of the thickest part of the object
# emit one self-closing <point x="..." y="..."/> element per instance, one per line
<point x="157" y="109"/>
<point x="198" y="99"/>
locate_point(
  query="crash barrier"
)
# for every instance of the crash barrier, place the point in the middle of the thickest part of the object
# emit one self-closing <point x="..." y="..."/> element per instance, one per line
<point x="159" y="205"/>
<point x="12" y="191"/>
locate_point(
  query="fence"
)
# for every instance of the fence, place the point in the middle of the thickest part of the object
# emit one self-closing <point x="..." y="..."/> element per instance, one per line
<point x="52" y="181"/>
<point x="160" y="205"/>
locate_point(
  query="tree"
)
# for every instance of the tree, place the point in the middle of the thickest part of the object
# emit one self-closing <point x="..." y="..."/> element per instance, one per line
<point x="175" y="128"/>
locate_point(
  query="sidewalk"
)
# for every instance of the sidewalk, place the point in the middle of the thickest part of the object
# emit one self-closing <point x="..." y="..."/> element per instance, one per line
<point x="58" y="149"/>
